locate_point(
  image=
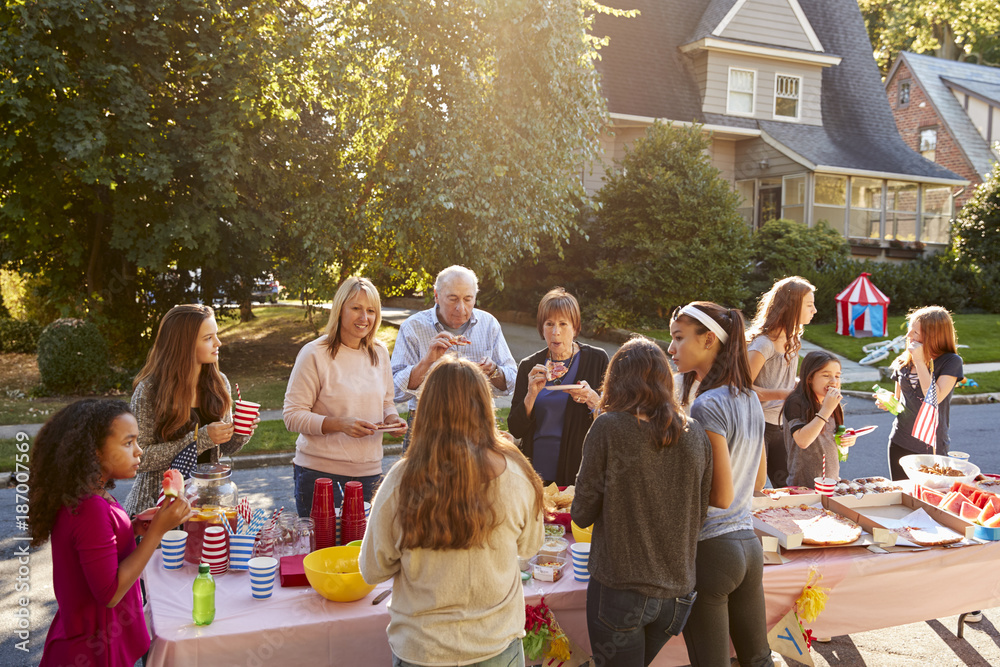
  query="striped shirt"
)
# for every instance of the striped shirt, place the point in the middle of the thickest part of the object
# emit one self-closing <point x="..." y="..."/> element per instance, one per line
<point x="414" y="340"/>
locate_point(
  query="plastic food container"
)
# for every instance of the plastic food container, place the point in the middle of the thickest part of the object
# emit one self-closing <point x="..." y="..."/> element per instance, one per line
<point x="548" y="568"/>
<point x="911" y="466"/>
<point x="554" y="546"/>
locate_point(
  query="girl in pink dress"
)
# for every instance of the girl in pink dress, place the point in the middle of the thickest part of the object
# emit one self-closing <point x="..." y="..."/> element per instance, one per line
<point x="96" y="564"/>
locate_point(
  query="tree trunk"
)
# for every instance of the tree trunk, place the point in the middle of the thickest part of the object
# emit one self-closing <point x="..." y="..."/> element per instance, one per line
<point x="246" y="311"/>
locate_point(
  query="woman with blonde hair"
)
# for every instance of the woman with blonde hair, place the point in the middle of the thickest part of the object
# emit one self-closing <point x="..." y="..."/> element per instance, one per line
<point x="774" y="339"/>
<point x="338" y="395"/>
<point x="179" y="389"/>
<point x="930" y="358"/>
<point x="448" y="524"/>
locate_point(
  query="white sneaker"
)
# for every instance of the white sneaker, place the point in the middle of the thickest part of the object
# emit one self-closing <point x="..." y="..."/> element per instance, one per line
<point x="974" y="617"/>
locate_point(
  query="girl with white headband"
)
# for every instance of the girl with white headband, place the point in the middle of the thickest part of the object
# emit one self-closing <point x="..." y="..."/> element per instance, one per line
<point x="708" y="347"/>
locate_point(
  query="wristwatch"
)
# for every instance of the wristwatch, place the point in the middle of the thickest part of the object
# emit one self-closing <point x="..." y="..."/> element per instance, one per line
<point x="496" y="372"/>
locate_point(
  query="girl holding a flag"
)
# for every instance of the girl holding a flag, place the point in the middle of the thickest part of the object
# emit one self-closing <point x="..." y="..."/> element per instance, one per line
<point x="925" y="373"/>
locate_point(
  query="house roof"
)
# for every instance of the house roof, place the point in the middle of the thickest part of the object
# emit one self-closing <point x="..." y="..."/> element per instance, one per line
<point x="645" y="74"/>
<point x="987" y="91"/>
<point x="933" y="74"/>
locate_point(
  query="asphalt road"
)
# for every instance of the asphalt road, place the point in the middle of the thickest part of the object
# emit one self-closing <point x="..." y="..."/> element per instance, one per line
<point x="973" y="429"/>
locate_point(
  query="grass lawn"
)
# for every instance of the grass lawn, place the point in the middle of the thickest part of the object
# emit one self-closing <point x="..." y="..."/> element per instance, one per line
<point x="981" y="332"/>
<point x="258" y="355"/>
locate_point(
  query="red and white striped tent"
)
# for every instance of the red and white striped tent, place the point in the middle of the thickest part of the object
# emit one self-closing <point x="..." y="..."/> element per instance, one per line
<point x="862" y="309"/>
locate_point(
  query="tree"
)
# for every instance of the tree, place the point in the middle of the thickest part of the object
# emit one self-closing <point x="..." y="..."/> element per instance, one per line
<point x="975" y="239"/>
<point x="966" y="30"/>
<point x="670" y="229"/>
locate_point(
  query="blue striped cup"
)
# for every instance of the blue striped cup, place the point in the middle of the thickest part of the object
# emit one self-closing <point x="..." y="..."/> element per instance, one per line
<point x="172" y="549"/>
<point x="263" y="570"/>
<point x="240" y="551"/>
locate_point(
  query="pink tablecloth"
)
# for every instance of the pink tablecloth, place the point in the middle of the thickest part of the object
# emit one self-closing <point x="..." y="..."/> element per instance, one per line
<point x="869" y="591"/>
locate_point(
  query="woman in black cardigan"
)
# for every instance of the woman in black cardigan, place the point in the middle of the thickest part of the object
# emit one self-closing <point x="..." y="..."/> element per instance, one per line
<point x="550" y="422"/>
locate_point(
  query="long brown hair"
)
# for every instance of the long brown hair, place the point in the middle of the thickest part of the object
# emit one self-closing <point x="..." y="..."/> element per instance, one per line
<point x="64" y="464"/>
<point x="446" y="499"/>
<point x="347" y="290"/>
<point x="639" y="380"/>
<point x="731" y="367"/>
<point x="803" y="398"/>
<point x="938" y="332"/>
<point x="779" y="311"/>
<point x="168" y="368"/>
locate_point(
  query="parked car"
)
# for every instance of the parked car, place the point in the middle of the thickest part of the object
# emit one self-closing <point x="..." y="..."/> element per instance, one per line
<point x="266" y="290"/>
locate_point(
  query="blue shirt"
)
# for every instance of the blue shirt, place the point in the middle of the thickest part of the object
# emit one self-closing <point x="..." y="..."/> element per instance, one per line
<point x="550" y="413"/>
<point x="414" y="340"/>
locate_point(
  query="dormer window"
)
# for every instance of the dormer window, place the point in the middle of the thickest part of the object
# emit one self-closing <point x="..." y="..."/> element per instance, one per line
<point x="741" y="91"/>
<point x="786" y="96"/>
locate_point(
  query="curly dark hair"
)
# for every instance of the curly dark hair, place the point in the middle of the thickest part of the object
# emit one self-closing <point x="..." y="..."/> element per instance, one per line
<point x="64" y="466"/>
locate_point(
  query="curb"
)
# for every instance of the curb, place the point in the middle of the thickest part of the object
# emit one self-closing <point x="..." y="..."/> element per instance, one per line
<point x="241" y="462"/>
<point x="956" y="399"/>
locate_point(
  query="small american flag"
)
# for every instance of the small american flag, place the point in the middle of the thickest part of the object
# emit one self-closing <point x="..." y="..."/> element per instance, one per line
<point x="185" y="461"/>
<point x="925" y="428"/>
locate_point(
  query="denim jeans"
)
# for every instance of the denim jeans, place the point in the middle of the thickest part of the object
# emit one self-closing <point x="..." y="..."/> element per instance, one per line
<point x="512" y="656"/>
<point x="730" y="585"/>
<point x="305" y="481"/>
<point x="627" y="628"/>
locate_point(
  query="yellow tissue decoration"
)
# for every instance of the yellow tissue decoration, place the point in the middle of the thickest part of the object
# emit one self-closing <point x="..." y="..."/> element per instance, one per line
<point x="559" y="647"/>
<point x="813" y="598"/>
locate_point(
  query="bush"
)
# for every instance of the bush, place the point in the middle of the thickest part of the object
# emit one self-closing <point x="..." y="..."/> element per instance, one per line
<point x="669" y="230"/>
<point x="783" y="248"/>
<point x="975" y="238"/>
<point x="72" y="357"/>
<point x="18" y="336"/>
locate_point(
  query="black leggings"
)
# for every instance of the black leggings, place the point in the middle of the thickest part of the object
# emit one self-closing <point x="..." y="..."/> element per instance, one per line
<point x="777" y="457"/>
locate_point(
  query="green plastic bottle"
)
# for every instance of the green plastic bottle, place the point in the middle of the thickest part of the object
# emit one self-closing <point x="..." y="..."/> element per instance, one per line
<point x="203" y="609"/>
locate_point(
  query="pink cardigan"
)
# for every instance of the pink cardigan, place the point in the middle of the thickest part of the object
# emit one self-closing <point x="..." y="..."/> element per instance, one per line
<point x="348" y="386"/>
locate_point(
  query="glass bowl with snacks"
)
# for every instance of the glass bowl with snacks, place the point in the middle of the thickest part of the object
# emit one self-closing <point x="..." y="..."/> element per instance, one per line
<point x="548" y="568"/>
<point x="938" y="472"/>
<point x="554" y="546"/>
<point x="554" y="530"/>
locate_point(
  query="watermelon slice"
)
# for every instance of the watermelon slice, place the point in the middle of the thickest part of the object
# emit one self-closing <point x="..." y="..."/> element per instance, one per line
<point x="173" y="484"/>
<point x="995" y="502"/>
<point x="932" y="497"/>
<point x="953" y="502"/>
<point x="969" y="512"/>
<point x="993" y="521"/>
<point x="988" y="512"/>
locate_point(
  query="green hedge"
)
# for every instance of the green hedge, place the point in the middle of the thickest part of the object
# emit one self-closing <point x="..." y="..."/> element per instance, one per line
<point x="73" y="357"/>
<point x="18" y="336"/>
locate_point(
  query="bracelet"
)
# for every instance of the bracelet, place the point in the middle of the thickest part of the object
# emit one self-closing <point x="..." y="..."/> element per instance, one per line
<point x="823" y="418"/>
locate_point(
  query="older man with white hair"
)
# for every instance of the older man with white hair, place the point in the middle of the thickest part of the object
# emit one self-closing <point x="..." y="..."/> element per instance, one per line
<point x="453" y="325"/>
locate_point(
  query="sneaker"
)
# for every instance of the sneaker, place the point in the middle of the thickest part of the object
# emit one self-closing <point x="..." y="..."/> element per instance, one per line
<point x="974" y="617"/>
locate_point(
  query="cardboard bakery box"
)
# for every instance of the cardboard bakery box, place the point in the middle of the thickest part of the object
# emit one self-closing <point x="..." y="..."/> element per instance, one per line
<point x="869" y="508"/>
<point x="795" y="541"/>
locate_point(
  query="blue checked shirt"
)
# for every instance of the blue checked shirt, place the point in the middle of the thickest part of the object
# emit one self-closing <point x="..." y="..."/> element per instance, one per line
<point x="415" y="336"/>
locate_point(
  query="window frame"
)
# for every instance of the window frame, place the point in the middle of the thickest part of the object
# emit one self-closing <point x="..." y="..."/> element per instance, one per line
<point x="752" y="93"/>
<point x="798" y="99"/>
<point x="899" y="93"/>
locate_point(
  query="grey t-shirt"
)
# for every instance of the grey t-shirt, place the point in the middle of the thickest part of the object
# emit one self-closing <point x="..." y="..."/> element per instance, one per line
<point x="740" y="420"/>
<point x="777" y="373"/>
<point x="805" y="465"/>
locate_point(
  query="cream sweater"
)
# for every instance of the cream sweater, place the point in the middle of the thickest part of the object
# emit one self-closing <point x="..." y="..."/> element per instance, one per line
<point x="348" y="386"/>
<point x="454" y="607"/>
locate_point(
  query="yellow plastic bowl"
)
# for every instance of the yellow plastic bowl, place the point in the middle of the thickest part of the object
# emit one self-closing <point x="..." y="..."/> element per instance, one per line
<point x="581" y="534"/>
<point x="334" y="574"/>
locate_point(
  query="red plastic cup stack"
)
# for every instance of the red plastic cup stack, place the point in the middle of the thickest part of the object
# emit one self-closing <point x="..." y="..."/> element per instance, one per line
<point x="323" y="513"/>
<point x="352" y="514"/>
<point x="215" y="550"/>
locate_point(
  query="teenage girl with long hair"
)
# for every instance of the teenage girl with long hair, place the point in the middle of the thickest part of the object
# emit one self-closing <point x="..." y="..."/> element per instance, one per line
<point x="77" y="456"/>
<point x="181" y="401"/>
<point x="708" y="347"/>
<point x="930" y="357"/>
<point x="645" y="484"/>
<point x="774" y="339"/>
<point x="339" y="390"/>
<point x="812" y="413"/>
<point x="448" y="524"/>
